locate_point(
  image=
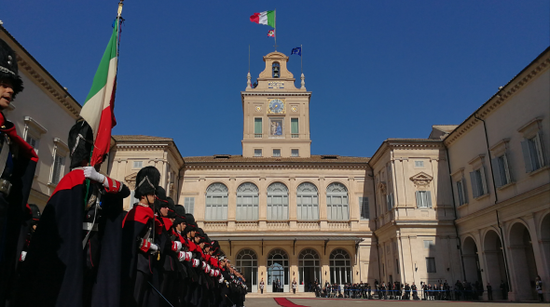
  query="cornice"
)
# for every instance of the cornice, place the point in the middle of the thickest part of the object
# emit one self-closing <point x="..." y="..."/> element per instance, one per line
<point x="276" y="94"/>
<point x="140" y="147"/>
<point x="256" y="166"/>
<point x="515" y="85"/>
<point x="62" y="98"/>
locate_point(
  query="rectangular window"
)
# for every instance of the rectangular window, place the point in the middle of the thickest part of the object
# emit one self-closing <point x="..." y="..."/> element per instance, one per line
<point x="428" y="243"/>
<point x="390" y="201"/>
<point x="276" y="152"/>
<point x="462" y="195"/>
<point x="257" y="152"/>
<point x="397" y="265"/>
<point x="33" y="142"/>
<point x="295" y="153"/>
<point x="337" y="208"/>
<point x="418" y="163"/>
<point x="247" y="206"/>
<point x="58" y="168"/>
<point x="137" y="164"/>
<point x="430" y="265"/>
<point x="294" y="128"/>
<point x="364" y="203"/>
<point x="216" y="207"/>
<point x="423" y="199"/>
<point x="501" y="171"/>
<point x="479" y="183"/>
<point x="258" y="127"/>
<point x="189" y="205"/>
<point x="533" y="153"/>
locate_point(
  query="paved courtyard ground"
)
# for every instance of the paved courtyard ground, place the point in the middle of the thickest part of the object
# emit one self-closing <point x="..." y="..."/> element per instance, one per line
<point x="319" y="302"/>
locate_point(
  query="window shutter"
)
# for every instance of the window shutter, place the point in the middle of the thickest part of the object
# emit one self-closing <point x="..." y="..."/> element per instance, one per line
<point x="429" y="198"/>
<point x="540" y="146"/>
<point x="257" y="125"/>
<point x="464" y="190"/>
<point x="294" y="126"/>
<point x="527" y="156"/>
<point x="475" y="185"/>
<point x="496" y="172"/>
<point x="418" y="199"/>
<point x="507" y="171"/>
<point x="483" y="180"/>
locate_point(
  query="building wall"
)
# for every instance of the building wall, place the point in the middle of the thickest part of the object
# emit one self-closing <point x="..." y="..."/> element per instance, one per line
<point x="45" y="111"/>
<point x="501" y="232"/>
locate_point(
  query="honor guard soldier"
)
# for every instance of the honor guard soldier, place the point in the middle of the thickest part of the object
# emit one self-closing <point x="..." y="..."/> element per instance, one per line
<point x="17" y="165"/>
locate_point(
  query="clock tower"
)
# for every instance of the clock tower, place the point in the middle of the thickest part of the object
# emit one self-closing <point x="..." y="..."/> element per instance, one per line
<point x="276" y="113"/>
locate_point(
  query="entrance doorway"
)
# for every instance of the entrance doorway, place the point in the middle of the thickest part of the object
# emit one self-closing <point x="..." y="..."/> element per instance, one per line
<point x="247" y="263"/>
<point x="277" y="271"/>
<point x="309" y="270"/>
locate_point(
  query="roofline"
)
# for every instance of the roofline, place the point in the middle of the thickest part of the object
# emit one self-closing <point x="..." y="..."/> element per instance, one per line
<point x="498" y="93"/>
<point x="38" y="64"/>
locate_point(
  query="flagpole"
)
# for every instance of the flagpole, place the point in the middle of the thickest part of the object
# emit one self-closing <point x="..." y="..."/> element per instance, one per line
<point x="249" y="58"/>
<point x="275" y="26"/>
<point x="301" y="58"/>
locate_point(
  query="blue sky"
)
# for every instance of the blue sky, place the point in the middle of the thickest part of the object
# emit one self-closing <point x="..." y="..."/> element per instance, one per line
<point x="376" y="69"/>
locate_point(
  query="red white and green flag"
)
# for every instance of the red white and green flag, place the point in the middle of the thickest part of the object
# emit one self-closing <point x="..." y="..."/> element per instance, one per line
<point x="264" y="18"/>
<point x="98" y="109"/>
<point x="271" y="33"/>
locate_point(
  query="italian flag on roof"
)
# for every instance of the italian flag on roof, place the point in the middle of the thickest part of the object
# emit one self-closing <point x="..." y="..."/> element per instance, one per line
<point x="99" y="105"/>
<point x="264" y="18"/>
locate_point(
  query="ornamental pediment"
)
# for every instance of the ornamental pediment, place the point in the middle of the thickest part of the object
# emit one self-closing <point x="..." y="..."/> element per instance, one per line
<point x="131" y="180"/>
<point x="421" y="179"/>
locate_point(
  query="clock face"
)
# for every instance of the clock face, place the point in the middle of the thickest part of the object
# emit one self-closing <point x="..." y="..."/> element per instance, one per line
<point x="276" y="106"/>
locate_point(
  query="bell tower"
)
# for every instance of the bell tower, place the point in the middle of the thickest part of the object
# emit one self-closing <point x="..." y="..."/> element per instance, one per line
<point x="276" y="113"/>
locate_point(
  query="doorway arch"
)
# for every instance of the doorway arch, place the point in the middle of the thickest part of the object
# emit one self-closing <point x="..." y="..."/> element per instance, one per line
<point x="277" y="271"/>
<point x="523" y="258"/>
<point x="309" y="269"/>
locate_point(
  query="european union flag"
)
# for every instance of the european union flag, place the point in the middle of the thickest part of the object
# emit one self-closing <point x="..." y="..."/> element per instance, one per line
<point x="297" y="50"/>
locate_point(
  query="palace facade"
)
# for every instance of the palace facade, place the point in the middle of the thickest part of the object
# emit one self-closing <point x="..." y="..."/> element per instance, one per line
<point x="469" y="202"/>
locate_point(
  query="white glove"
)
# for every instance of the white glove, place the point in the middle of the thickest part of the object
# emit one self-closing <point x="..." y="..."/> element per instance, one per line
<point x="181" y="256"/>
<point x="92" y="174"/>
<point x="221" y="279"/>
<point x="207" y="269"/>
<point x="212" y="273"/>
<point x="176" y="246"/>
<point x="203" y="265"/>
<point x="188" y="256"/>
<point x="153" y="247"/>
<point x="23" y="255"/>
<point x="196" y="263"/>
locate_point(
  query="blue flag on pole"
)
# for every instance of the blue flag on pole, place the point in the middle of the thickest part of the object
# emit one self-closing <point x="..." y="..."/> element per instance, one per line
<point x="297" y="50"/>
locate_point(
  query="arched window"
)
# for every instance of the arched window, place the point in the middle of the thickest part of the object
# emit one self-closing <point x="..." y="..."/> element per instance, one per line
<point x="277" y="270"/>
<point x="216" y="202"/>
<point x="337" y="202"/>
<point x="309" y="267"/>
<point x="340" y="267"/>
<point x="277" y="202"/>
<point x="247" y="263"/>
<point x="247" y="202"/>
<point x="276" y="69"/>
<point x="307" y="202"/>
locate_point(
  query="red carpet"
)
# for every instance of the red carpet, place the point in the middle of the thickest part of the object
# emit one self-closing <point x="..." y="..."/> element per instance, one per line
<point x="286" y="303"/>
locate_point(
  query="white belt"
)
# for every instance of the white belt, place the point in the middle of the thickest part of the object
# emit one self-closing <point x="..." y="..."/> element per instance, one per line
<point x="89" y="226"/>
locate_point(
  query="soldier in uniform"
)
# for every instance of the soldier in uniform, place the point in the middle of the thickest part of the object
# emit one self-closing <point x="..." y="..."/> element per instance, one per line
<point x="62" y="263"/>
<point x="140" y="243"/>
<point x="17" y="166"/>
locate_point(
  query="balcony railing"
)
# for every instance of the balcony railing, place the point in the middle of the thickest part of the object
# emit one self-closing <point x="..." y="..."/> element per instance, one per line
<point x="246" y="225"/>
<point x="258" y="135"/>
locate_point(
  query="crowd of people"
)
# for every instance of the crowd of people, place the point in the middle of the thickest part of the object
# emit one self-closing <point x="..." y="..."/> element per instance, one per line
<point x="440" y="290"/>
<point x="84" y="249"/>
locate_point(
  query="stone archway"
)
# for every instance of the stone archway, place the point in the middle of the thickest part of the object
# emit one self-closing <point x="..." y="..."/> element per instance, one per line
<point x="545" y="250"/>
<point x="523" y="263"/>
<point x="495" y="268"/>
<point x="471" y="260"/>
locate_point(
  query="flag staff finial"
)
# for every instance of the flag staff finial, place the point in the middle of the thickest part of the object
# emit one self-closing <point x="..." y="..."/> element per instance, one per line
<point x="120" y="4"/>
